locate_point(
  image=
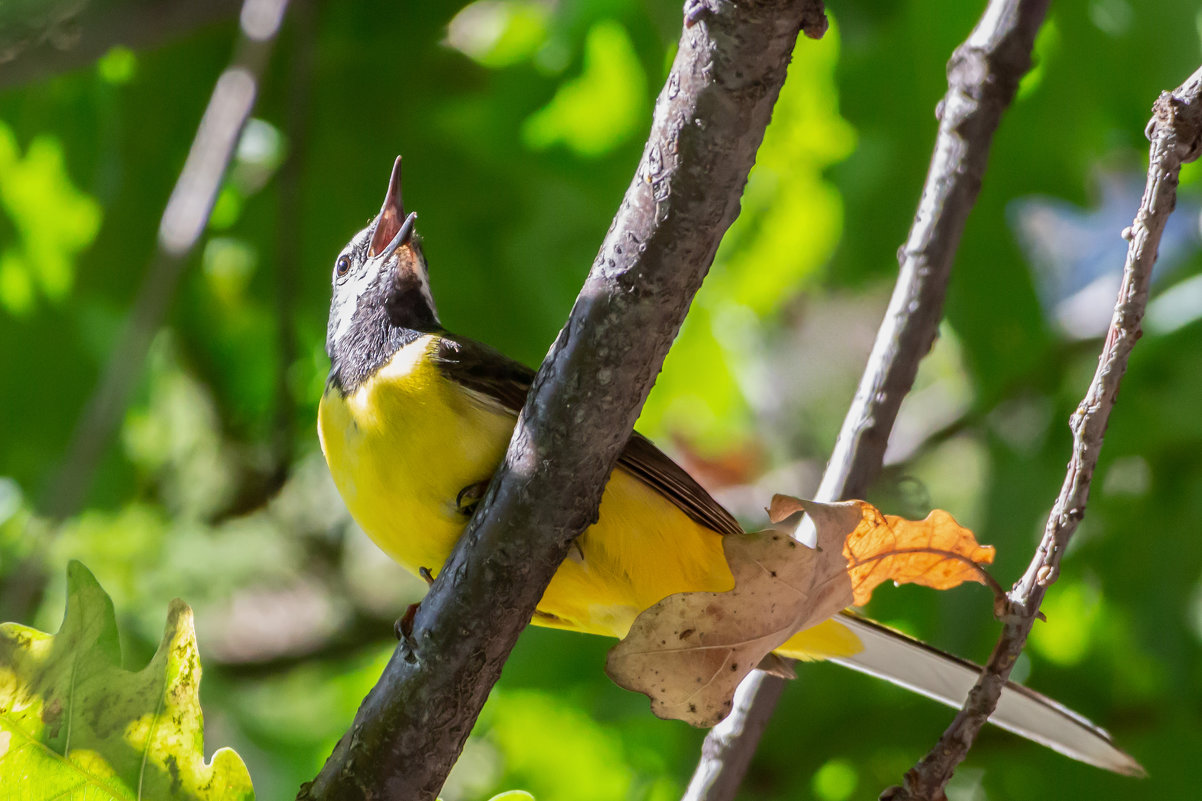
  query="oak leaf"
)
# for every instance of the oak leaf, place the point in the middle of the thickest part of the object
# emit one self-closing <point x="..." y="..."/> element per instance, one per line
<point x="936" y="552"/>
<point x="75" y="724"/>
<point x="690" y="651"/>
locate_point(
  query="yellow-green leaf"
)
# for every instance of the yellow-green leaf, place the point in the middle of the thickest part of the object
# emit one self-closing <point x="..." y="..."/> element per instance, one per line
<point x="74" y="723"/>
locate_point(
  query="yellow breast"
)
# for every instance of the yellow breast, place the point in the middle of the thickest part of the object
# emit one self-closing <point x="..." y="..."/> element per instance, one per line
<point x="401" y="447"/>
<point x="404" y="444"/>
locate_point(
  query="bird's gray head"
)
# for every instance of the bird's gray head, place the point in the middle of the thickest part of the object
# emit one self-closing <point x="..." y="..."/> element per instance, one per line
<point x="381" y="297"/>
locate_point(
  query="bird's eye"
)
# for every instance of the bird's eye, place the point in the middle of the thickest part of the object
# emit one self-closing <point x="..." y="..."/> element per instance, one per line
<point x="342" y="267"/>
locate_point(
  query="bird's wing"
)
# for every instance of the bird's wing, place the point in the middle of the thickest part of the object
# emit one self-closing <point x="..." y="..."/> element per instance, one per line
<point x="910" y="663"/>
<point x="503" y="382"/>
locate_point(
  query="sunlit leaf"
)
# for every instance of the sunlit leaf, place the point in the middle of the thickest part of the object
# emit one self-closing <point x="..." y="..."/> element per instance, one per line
<point x="936" y="552"/>
<point x="497" y="33"/>
<point x="54" y="221"/>
<point x="790" y="224"/>
<point x="612" y="80"/>
<point x="118" y="65"/>
<point x="73" y="721"/>
<point x="228" y="266"/>
<point x="555" y="749"/>
<point x="835" y="781"/>
<point x="1072" y="610"/>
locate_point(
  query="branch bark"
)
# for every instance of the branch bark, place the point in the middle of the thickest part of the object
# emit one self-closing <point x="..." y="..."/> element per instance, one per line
<point x="1176" y="134"/>
<point x="983" y="76"/>
<point x="709" y="121"/>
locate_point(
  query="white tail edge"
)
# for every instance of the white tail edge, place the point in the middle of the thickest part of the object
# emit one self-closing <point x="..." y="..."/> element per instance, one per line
<point x="910" y="663"/>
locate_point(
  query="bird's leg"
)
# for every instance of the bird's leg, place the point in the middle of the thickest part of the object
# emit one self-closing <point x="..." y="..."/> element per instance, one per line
<point x="469" y="497"/>
<point x="403" y="628"/>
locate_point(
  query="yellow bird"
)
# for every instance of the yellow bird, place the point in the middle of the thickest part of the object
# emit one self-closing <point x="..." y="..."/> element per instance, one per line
<point x="414" y="421"/>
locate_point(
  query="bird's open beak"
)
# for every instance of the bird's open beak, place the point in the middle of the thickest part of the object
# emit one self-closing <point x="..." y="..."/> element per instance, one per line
<point x="402" y="237"/>
<point x="393" y="228"/>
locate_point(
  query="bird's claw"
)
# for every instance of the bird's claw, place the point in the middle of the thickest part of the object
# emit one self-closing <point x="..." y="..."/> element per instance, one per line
<point x="469" y="498"/>
<point x="694" y="10"/>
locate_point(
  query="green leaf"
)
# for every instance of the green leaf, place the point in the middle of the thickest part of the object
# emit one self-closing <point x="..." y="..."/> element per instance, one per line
<point x="513" y="795"/>
<point x="53" y="221"/>
<point x="74" y="723"/>
<point x="613" y="80"/>
<point x="499" y="34"/>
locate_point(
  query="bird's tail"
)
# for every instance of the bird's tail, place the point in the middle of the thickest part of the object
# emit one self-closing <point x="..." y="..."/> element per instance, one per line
<point x="910" y="663"/>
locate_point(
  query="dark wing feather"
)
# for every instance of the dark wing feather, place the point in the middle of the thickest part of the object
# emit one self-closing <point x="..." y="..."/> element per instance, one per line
<point x="483" y="370"/>
<point x="487" y="372"/>
<point x="643" y="460"/>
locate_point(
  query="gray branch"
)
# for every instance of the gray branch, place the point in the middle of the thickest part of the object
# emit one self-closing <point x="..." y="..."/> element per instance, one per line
<point x="709" y="121"/>
<point x="182" y="224"/>
<point x="1176" y="134"/>
<point x="983" y="76"/>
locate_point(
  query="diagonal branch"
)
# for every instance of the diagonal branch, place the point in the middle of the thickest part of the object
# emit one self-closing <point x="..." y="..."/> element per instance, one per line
<point x="709" y="121"/>
<point x="1176" y="134"/>
<point x="983" y="75"/>
<point x="183" y="222"/>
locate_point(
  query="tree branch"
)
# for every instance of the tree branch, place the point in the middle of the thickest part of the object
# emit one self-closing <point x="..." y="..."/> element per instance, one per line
<point x="709" y="121"/>
<point x="183" y="222"/>
<point x="1176" y="134"/>
<point x="983" y="76"/>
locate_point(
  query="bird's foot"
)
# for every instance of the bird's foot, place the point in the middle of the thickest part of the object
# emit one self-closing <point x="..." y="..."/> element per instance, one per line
<point x="469" y="498"/>
<point x="695" y="10"/>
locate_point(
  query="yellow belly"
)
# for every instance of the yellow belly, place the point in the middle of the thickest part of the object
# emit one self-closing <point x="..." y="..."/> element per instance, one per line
<point x="403" y="445"/>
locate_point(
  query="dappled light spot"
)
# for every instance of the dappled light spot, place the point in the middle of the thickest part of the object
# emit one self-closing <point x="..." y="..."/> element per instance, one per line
<point x="53" y="219"/>
<point x="612" y="79"/>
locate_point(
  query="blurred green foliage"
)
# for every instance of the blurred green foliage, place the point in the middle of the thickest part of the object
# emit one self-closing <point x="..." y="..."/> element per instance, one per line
<point x="520" y="122"/>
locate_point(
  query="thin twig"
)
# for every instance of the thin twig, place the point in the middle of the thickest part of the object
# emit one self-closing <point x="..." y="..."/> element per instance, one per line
<point x="1176" y="134"/>
<point x="983" y="75"/>
<point x="709" y="121"/>
<point x="183" y="222"/>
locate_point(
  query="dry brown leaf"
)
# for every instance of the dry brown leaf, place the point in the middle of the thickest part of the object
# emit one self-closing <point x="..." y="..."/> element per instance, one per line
<point x="936" y="552"/>
<point x="689" y="652"/>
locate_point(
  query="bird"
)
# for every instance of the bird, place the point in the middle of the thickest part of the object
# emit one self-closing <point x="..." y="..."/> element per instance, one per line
<point x="414" y="421"/>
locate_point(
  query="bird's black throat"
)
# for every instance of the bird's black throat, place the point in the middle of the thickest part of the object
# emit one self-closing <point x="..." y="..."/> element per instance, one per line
<point x="386" y="318"/>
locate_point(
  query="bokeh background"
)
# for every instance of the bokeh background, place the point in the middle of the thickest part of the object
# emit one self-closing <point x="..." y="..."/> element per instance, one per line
<point x="520" y="122"/>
